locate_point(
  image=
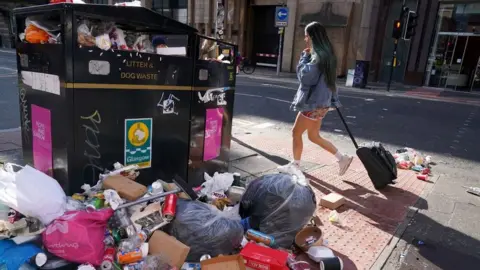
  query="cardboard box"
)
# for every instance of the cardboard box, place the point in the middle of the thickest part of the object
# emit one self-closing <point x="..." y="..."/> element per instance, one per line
<point x="161" y="243"/>
<point x="233" y="262"/>
<point x="332" y="201"/>
<point x="125" y="187"/>
<point x="259" y="258"/>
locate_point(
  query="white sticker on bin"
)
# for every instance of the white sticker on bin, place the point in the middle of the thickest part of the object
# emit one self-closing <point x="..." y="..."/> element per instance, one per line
<point x="97" y="67"/>
<point x="42" y="81"/>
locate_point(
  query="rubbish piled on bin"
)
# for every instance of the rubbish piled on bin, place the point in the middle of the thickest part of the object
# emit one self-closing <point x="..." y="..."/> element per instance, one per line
<point x="121" y="224"/>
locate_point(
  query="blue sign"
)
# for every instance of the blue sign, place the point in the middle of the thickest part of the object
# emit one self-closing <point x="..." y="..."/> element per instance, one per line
<point x="281" y="16"/>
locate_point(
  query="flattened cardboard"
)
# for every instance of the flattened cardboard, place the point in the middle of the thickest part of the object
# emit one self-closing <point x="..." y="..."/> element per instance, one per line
<point x="151" y="217"/>
<point x="125" y="187"/>
<point x="233" y="262"/>
<point x="161" y="243"/>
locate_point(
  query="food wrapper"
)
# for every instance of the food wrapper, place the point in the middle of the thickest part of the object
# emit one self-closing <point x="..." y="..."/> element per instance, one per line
<point x="112" y="198"/>
<point x="36" y="35"/>
<point x="143" y="44"/>
<point x="118" y="39"/>
<point x="85" y="37"/>
<point x="103" y="42"/>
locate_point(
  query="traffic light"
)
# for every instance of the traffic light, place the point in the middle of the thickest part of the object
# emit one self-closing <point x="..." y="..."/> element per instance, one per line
<point x="411" y="24"/>
<point x="397" y="29"/>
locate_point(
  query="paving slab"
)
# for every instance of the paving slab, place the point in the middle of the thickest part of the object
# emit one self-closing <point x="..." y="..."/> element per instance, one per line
<point x="440" y="203"/>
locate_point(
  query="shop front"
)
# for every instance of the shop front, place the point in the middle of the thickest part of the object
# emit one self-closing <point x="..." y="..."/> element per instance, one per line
<point x="454" y="59"/>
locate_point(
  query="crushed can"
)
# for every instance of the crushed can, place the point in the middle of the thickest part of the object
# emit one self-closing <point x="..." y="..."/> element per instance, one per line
<point x="170" y="206"/>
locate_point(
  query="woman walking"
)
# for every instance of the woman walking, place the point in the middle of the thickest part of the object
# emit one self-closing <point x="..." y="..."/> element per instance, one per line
<point x="316" y="95"/>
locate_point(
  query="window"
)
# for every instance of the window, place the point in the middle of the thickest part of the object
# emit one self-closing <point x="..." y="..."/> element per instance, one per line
<point x="169" y="4"/>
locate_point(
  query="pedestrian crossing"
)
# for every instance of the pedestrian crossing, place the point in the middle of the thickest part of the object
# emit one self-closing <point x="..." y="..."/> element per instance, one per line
<point x="245" y="124"/>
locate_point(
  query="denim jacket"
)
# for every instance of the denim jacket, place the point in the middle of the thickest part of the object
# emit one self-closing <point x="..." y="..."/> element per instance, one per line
<point x="310" y="76"/>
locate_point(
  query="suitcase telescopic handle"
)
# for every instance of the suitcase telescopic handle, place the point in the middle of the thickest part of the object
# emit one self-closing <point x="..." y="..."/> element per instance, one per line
<point x="346" y="127"/>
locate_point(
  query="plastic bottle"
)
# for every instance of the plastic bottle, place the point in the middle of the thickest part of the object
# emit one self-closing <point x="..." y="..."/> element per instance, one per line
<point x="133" y="242"/>
<point x="122" y="220"/>
<point x="156" y="262"/>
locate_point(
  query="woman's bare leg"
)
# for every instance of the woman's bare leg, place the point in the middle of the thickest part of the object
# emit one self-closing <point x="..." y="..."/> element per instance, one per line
<point x="313" y="130"/>
<point x="301" y="124"/>
<point x="314" y="136"/>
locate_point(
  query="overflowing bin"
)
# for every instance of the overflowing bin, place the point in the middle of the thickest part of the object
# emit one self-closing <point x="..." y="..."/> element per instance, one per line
<point x="102" y="84"/>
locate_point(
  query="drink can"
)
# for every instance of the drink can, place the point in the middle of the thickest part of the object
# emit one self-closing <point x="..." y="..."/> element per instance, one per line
<point x="106" y="265"/>
<point x="109" y="254"/>
<point x="205" y="257"/>
<point x="423" y="177"/>
<point x="135" y="266"/>
<point x="170" y="206"/>
<point x="260" y="237"/>
<point x="95" y="204"/>
<point x="13" y="216"/>
<point x="39" y="260"/>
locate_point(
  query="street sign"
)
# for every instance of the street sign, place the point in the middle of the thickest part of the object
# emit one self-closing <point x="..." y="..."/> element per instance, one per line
<point x="281" y="16"/>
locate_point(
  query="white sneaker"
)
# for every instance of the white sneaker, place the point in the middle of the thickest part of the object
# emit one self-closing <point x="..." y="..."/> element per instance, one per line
<point x="292" y="169"/>
<point x="344" y="164"/>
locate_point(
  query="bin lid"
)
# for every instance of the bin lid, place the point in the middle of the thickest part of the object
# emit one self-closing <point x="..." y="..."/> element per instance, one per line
<point x="137" y="16"/>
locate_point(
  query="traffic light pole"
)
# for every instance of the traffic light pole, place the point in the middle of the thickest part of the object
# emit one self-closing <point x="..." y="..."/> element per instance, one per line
<point x="394" y="53"/>
<point x="393" y="64"/>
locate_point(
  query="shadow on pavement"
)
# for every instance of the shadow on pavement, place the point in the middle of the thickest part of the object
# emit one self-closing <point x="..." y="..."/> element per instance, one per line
<point x="387" y="213"/>
<point x="435" y="244"/>
<point x="276" y="159"/>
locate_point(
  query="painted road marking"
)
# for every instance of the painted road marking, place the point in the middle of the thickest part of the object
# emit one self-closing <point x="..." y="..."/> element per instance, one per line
<point x="263" y="125"/>
<point x="242" y="122"/>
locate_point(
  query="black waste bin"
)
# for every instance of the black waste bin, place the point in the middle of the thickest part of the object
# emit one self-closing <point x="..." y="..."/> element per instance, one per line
<point x="84" y="108"/>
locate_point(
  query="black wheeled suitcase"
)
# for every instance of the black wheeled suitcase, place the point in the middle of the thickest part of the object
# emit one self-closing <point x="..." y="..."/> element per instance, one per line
<point x="378" y="162"/>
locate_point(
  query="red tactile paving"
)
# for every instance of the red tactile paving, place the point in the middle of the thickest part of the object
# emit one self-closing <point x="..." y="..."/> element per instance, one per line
<point x="369" y="218"/>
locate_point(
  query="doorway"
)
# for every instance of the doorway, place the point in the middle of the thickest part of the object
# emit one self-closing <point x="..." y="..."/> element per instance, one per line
<point x="456" y="62"/>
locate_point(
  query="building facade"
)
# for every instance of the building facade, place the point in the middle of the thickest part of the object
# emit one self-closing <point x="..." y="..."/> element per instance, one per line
<point x="250" y="23"/>
<point x="441" y="54"/>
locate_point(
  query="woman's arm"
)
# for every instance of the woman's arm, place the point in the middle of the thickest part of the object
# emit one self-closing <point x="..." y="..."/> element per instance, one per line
<point x="307" y="73"/>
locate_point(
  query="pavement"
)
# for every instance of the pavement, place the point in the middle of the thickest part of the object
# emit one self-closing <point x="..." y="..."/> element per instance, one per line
<point x="412" y="225"/>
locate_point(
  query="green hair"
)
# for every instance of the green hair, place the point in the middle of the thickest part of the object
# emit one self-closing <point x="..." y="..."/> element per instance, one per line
<point x="322" y="52"/>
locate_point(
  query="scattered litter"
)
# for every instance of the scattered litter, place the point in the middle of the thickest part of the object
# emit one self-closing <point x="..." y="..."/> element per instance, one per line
<point x="334" y="217"/>
<point x="473" y="190"/>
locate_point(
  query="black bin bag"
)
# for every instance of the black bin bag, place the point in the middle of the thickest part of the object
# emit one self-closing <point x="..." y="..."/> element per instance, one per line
<point x="279" y="206"/>
<point x="205" y="229"/>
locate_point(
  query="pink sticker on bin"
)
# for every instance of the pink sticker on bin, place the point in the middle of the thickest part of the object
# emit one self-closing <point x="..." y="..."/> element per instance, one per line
<point x="213" y="133"/>
<point x="42" y="139"/>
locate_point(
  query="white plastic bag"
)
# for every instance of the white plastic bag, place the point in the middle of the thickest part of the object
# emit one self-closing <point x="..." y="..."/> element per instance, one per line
<point x="32" y="193"/>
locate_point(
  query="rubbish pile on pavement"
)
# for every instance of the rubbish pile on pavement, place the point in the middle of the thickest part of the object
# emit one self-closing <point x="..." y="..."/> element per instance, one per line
<point x="122" y="224"/>
<point x="409" y="159"/>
